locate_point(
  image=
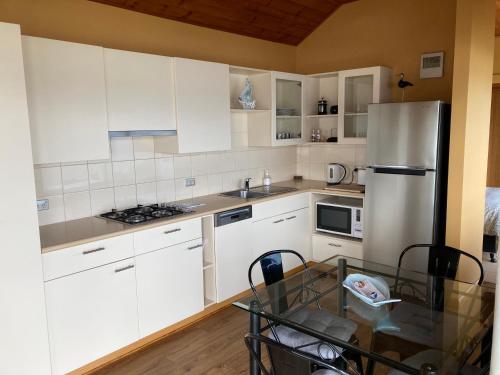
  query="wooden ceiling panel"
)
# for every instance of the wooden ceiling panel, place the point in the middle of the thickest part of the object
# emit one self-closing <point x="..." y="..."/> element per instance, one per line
<point x="283" y="21"/>
<point x="497" y="23"/>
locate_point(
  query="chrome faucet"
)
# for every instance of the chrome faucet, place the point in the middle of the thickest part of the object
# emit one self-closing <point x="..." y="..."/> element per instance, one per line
<point x="247" y="184"/>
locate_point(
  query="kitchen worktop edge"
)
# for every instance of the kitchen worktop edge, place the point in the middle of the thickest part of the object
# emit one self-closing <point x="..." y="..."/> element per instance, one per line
<point x="62" y="235"/>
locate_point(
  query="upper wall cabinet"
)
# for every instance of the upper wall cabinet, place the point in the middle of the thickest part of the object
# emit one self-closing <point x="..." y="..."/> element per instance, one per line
<point x="66" y="100"/>
<point x="140" y="91"/>
<point x="202" y="101"/>
<point x="357" y="89"/>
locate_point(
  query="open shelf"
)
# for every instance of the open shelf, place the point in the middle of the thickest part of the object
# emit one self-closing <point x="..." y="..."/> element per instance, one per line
<point x="239" y="110"/>
<point x="208" y="302"/>
<point x="356" y="114"/>
<point x="291" y="116"/>
<point x="321" y="116"/>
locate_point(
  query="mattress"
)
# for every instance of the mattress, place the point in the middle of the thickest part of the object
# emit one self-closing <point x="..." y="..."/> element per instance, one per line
<point x="492" y="212"/>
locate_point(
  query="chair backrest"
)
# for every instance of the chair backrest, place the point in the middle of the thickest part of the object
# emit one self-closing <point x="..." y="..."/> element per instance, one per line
<point x="443" y="260"/>
<point x="271" y="264"/>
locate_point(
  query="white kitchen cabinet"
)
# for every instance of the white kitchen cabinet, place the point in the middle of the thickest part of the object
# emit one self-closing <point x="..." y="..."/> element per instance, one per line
<point x="233" y="255"/>
<point x="288" y="231"/>
<point x="202" y="101"/>
<point x="357" y="89"/>
<point x="139" y="91"/>
<point x="169" y="285"/>
<point x="325" y="246"/>
<point x="91" y="313"/>
<point x="66" y="99"/>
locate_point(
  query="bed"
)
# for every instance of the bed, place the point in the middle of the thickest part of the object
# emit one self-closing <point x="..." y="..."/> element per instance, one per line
<point x="491" y="220"/>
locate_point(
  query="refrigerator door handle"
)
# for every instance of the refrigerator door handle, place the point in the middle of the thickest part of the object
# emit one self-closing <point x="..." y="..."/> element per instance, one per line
<point x="401" y="169"/>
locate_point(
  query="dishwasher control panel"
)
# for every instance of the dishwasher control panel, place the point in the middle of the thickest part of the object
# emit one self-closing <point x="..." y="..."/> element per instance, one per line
<point x="232" y="216"/>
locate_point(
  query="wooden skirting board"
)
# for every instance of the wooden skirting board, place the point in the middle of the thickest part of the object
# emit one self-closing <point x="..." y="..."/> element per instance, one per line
<point x="160" y="335"/>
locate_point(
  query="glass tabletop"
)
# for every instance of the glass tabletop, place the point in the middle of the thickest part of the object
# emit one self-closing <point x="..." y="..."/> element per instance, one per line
<point x="438" y="320"/>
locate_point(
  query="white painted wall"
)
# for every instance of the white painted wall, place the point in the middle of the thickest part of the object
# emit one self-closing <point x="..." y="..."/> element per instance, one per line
<point x="23" y="325"/>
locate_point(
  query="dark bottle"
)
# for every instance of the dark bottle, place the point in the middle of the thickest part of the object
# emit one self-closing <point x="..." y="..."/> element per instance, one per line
<point x="322" y="107"/>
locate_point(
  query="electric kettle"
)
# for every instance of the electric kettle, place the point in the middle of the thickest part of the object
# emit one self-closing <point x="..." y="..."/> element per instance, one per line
<point x="336" y="173"/>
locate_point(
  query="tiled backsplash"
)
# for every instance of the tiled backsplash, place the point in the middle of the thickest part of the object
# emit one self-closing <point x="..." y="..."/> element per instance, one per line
<point x="312" y="160"/>
<point x="141" y="172"/>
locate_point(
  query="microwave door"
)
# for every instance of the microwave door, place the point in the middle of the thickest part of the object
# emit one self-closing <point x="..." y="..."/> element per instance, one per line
<point x="334" y="219"/>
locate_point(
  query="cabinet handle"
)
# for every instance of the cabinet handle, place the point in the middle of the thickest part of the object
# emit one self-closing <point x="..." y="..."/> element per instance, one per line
<point x="172" y="230"/>
<point x="124" y="268"/>
<point x="334" y="244"/>
<point x="291" y="217"/>
<point x="85" y="252"/>
<point x="195" y="246"/>
<point x="278" y="221"/>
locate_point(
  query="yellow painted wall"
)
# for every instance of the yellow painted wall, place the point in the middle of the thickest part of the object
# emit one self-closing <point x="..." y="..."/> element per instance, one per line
<point x="470" y="119"/>
<point x="91" y="23"/>
<point x="393" y="33"/>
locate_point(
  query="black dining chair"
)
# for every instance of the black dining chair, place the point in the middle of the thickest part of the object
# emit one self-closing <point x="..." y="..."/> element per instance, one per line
<point x="271" y="264"/>
<point x="296" y="359"/>
<point x="443" y="262"/>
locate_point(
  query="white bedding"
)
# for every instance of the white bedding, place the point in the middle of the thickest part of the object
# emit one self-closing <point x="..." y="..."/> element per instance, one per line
<point x="492" y="212"/>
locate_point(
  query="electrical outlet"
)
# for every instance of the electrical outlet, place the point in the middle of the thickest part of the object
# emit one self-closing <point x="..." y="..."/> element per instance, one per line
<point x="42" y="204"/>
<point x="190" y="182"/>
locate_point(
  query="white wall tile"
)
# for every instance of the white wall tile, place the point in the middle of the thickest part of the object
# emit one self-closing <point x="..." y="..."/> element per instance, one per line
<point x="77" y="205"/>
<point x="241" y="159"/>
<point x="75" y="178"/>
<point x="201" y="186"/>
<point x="164" y="168"/>
<point x="100" y="175"/>
<point x="199" y="165"/>
<point x="123" y="173"/>
<point x="182" y="166"/>
<point x="165" y="191"/>
<point x="55" y="213"/>
<point x="102" y="200"/>
<point x="146" y="193"/>
<point x="122" y="148"/>
<point x="303" y="154"/>
<point x="317" y="171"/>
<point x="144" y="147"/>
<point x="360" y="157"/>
<point x="340" y="154"/>
<point x="181" y="190"/>
<point x="145" y="171"/>
<point x="48" y="181"/>
<point x="214" y="183"/>
<point x="125" y="196"/>
<point x="165" y="146"/>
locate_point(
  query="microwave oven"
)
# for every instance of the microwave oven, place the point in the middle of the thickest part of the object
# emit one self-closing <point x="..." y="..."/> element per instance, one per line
<point x="340" y="215"/>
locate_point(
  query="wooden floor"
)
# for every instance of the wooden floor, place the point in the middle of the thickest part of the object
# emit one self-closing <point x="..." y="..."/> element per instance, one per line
<point x="213" y="346"/>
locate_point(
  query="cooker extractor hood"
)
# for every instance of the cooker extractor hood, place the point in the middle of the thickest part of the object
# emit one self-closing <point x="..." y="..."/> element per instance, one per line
<point x="142" y="133"/>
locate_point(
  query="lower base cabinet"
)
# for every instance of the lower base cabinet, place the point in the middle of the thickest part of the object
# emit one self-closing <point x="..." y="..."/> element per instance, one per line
<point x="169" y="285"/>
<point x="91" y="314"/>
<point x="289" y="231"/>
<point x="325" y="247"/>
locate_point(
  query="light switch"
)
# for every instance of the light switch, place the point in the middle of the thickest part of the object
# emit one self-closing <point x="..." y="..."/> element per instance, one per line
<point x="42" y="204"/>
<point x="190" y="182"/>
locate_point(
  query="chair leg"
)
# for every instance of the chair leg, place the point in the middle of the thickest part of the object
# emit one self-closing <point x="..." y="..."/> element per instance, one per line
<point x="359" y="364"/>
<point x="370" y="367"/>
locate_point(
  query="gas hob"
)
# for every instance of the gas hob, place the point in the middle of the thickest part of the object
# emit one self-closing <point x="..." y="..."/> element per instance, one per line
<point x="143" y="214"/>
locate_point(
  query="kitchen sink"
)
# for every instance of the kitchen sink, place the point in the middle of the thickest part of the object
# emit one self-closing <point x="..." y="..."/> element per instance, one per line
<point x="258" y="192"/>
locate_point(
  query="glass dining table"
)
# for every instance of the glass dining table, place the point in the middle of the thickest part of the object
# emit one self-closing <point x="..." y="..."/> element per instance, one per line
<point x="435" y="327"/>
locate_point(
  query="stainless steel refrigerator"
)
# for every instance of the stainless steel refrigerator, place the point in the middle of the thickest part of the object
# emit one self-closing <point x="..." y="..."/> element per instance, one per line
<point x="406" y="181"/>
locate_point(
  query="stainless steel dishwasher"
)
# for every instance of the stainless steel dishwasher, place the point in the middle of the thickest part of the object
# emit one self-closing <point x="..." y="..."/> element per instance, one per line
<point x="233" y="251"/>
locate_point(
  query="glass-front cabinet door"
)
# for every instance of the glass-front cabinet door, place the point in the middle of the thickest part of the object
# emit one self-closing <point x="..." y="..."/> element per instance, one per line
<point x="357" y="89"/>
<point x="287" y="106"/>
